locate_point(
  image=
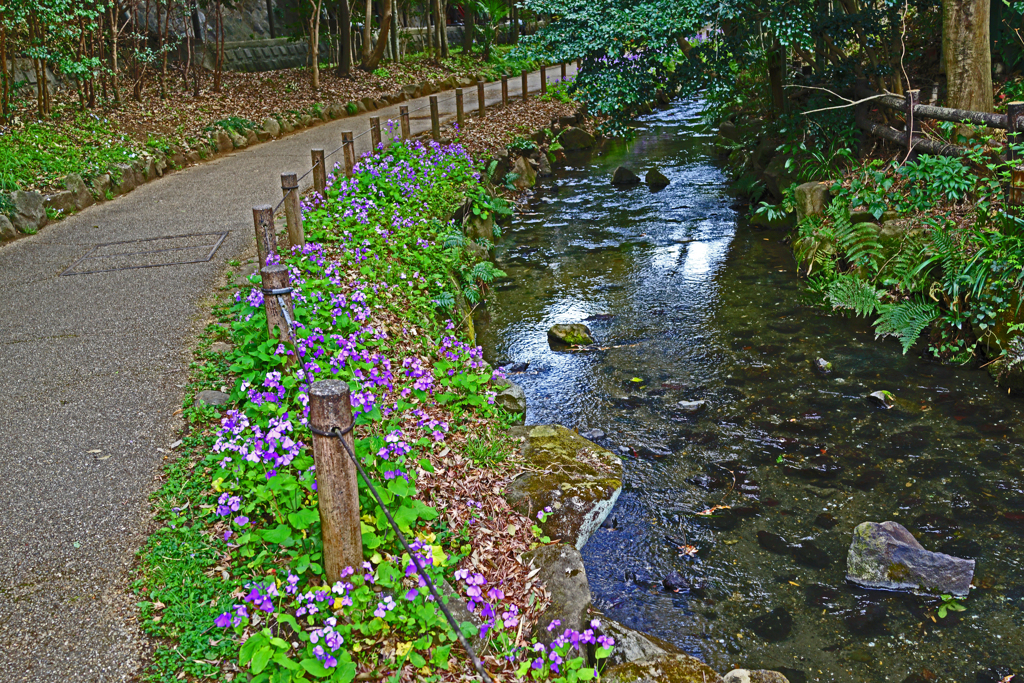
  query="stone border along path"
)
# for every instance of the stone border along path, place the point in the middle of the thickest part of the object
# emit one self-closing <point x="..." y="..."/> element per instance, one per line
<point x="93" y="371"/>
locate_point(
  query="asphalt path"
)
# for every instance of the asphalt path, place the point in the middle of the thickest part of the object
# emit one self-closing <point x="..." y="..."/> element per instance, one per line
<point x="93" y="367"/>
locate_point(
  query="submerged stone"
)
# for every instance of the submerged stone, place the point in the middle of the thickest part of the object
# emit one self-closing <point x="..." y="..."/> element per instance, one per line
<point x="887" y="556"/>
<point x="882" y="399"/>
<point x="809" y="554"/>
<point x="574" y="334"/>
<point x="754" y="676"/>
<point x="576" y="478"/>
<point x="774" y="626"/>
<point x="772" y="542"/>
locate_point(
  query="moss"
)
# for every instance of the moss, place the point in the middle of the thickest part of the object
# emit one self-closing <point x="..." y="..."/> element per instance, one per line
<point x="898" y="572"/>
<point x="665" y="669"/>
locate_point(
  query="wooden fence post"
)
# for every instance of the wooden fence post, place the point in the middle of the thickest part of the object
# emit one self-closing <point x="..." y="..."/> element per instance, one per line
<point x="292" y="210"/>
<point x="337" y="484"/>
<point x="266" y="240"/>
<point x="1015" y="196"/>
<point x="1014" y="110"/>
<point x="460" y="114"/>
<point x="435" y="119"/>
<point x="404" y="116"/>
<point x="526" y="84"/>
<point x="276" y="277"/>
<point x="563" y="71"/>
<point x="375" y="132"/>
<point x="504" y="91"/>
<point x="543" y="79"/>
<point x="319" y="171"/>
<point x="481" y="99"/>
<point x="349" y="146"/>
<point x="911" y="99"/>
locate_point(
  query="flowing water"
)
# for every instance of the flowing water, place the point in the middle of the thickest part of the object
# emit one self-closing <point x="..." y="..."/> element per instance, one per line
<point x="688" y="302"/>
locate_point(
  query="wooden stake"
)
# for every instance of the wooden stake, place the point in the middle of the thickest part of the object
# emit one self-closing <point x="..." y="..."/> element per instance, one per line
<point x="292" y="210"/>
<point x="266" y="240"/>
<point x="543" y="79"/>
<point x="504" y="91"/>
<point x="481" y="99"/>
<point x="404" y="116"/>
<point x="319" y="171"/>
<point x="276" y="277"/>
<point x="526" y="85"/>
<point x="563" y="71"/>
<point x="435" y="119"/>
<point x="911" y="99"/>
<point x="1014" y="110"/>
<point x="460" y="114"/>
<point x="1015" y="197"/>
<point x="349" y="146"/>
<point x="375" y="132"/>
<point x="337" y="484"/>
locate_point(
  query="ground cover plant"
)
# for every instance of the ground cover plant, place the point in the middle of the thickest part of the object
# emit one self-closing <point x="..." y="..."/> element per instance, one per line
<point x="90" y="141"/>
<point x="235" y="580"/>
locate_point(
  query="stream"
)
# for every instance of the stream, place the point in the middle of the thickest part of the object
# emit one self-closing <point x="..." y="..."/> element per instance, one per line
<point x="687" y="302"/>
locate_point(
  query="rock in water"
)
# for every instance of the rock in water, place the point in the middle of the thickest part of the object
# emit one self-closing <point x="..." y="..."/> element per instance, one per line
<point x="887" y="556"/>
<point x="882" y="399"/>
<point x="576" y="333"/>
<point x="656" y="180"/>
<point x="773" y="626"/>
<point x="809" y="554"/>
<point x="822" y="367"/>
<point x="624" y="176"/>
<point x="691" y="406"/>
<point x="755" y="676"/>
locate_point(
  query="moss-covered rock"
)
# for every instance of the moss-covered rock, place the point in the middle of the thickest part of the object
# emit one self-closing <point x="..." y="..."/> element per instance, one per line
<point x="575" y="334"/>
<point x="576" y="478"/>
<point x="633" y="646"/>
<point x="664" y="669"/>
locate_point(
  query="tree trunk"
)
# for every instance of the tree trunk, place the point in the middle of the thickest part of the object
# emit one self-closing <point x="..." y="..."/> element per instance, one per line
<point x="314" y="42"/>
<point x="345" y="36"/>
<point x="218" y="48"/>
<point x="114" y="31"/>
<point x="382" y="41"/>
<point x="470" y="25"/>
<point x="430" y="29"/>
<point x="367" y="35"/>
<point x="776" y="64"/>
<point x="270" y="18"/>
<point x="436" y="8"/>
<point x="967" y="52"/>
<point x="5" y="87"/>
<point x="396" y="45"/>
<point x="443" y="27"/>
<point x="514" y="23"/>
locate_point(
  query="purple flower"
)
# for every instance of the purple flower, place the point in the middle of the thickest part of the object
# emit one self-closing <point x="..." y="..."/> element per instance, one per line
<point x="223" y="620"/>
<point x="241" y="520"/>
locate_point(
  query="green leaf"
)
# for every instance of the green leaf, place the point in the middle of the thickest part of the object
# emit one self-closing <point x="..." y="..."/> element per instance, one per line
<point x="441" y="656"/>
<point x="261" y="658"/>
<point x="315" y="667"/>
<point x="277" y="535"/>
<point x="253" y="643"/>
<point x="304" y="518"/>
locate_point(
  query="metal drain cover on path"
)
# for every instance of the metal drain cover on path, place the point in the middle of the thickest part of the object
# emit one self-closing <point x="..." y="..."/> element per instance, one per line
<point x="148" y="253"/>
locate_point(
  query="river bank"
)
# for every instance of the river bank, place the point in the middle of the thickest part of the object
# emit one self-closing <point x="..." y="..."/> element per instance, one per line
<point x="689" y="302"/>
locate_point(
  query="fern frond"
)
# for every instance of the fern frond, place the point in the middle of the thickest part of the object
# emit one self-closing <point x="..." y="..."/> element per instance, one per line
<point x="905" y="320"/>
<point x="454" y="240"/>
<point x="859" y="241"/>
<point x="854" y="294"/>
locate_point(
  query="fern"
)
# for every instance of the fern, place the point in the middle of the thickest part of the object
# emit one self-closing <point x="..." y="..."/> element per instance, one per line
<point x="859" y="241"/>
<point x="852" y="293"/>
<point x="905" y="320"/>
<point x="454" y="240"/>
<point x="485" y="272"/>
<point x="445" y="300"/>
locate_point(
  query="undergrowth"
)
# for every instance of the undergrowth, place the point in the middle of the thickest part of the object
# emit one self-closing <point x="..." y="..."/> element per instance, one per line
<point x="235" y="580"/>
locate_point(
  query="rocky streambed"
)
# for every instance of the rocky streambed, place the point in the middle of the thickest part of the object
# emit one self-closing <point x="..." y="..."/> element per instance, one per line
<point x="750" y="444"/>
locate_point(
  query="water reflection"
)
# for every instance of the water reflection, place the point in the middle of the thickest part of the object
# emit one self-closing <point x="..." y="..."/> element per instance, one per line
<point x="697" y="306"/>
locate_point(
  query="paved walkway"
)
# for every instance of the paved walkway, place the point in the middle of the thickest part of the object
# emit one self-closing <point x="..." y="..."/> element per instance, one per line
<point x="93" y="367"/>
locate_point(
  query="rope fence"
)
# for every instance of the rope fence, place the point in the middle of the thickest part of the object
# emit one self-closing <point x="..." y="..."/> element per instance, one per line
<point x="330" y="408"/>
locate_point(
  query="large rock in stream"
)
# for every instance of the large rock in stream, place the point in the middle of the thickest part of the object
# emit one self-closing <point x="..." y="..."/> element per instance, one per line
<point x="887" y="556"/>
<point x="576" y="478"/>
<point x="576" y="333"/>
